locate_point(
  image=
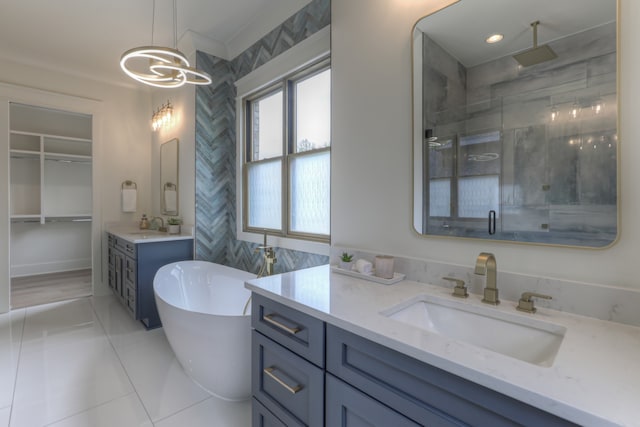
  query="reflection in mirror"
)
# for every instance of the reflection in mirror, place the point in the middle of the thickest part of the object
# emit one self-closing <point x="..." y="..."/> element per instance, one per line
<point x="517" y="140"/>
<point x="169" y="177"/>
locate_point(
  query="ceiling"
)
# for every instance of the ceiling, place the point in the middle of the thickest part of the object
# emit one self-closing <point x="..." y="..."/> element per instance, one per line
<point x="462" y="28"/>
<point x="87" y="37"/>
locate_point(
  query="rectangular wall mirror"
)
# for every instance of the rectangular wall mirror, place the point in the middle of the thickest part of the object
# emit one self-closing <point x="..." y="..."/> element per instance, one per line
<point x="517" y="140"/>
<point x="169" y="177"/>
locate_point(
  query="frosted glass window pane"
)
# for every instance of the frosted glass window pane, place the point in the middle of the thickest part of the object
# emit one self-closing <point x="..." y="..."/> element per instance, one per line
<point x="265" y="195"/>
<point x="440" y="197"/>
<point x="310" y="196"/>
<point x="313" y="112"/>
<point x="478" y="195"/>
<point x="266" y="127"/>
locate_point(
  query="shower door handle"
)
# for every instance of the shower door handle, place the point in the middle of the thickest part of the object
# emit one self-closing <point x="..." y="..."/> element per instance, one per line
<point x="269" y="319"/>
<point x="292" y="390"/>
<point x="492" y="222"/>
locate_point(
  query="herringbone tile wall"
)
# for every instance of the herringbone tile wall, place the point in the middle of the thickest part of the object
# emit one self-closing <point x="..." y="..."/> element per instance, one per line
<point x="216" y="146"/>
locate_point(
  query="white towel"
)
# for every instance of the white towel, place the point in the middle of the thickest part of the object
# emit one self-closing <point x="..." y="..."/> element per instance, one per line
<point x="170" y="200"/>
<point x="129" y="199"/>
<point x="363" y="266"/>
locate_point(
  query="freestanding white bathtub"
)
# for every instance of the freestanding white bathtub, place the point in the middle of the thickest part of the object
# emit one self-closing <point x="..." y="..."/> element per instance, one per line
<point x="200" y="306"/>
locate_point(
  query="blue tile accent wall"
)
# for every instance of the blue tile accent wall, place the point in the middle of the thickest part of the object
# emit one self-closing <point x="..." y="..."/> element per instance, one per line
<point x="216" y="146"/>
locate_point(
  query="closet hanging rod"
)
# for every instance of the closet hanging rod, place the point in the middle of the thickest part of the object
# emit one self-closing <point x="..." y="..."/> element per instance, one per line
<point x="35" y="157"/>
<point x="68" y="161"/>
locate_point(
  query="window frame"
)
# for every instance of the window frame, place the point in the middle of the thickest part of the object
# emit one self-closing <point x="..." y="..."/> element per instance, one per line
<point x="313" y="49"/>
<point x="286" y="84"/>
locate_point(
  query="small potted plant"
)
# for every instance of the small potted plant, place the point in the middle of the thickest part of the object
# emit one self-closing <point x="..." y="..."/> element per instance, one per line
<point x="174" y="225"/>
<point x="346" y="261"/>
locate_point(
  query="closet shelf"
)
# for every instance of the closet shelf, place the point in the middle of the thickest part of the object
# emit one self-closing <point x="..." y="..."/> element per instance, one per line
<point x="24" y="154"/>
<point x="38" y="219"/>
<point x="45" y="135"/>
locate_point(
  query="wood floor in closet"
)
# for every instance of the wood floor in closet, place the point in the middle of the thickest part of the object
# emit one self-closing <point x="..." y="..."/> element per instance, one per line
<point x="44" y="288"/>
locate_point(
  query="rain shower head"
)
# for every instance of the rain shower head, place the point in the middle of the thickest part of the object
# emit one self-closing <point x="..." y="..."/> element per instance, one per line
<point x="536" y="54"/>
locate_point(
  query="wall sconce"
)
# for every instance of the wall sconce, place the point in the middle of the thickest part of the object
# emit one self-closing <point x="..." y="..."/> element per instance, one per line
<point x="598" y="106"/>
<point x="574" y="112"/>
<point x="163" y="117"/>
<point x="554" y="113"/>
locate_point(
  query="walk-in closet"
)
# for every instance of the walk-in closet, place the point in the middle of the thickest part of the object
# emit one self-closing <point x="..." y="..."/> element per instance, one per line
<point x="50" y="172"/>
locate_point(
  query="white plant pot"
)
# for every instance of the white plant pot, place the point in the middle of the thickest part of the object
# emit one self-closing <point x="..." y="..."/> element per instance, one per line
<point x="174" y="229"/>
<point x="346" y="265"/>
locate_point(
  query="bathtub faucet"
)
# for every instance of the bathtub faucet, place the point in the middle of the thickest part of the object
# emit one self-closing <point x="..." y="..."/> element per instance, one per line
<point x="269" y="258"/>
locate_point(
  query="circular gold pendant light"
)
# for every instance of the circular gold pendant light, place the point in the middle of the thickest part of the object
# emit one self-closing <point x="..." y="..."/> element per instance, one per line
<point x="159" y="66"/>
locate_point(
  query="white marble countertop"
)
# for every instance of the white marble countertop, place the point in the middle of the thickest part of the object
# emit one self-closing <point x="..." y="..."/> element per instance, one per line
<point x="135" y="235"/>
<point x="593" y="381"/>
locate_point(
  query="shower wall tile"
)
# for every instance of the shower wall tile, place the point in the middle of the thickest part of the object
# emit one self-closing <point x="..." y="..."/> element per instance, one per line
<point x="216" y="146"/>
<point x="215" y="156"/>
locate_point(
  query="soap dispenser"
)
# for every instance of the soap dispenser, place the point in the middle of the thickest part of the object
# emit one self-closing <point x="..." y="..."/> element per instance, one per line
<point x="144" y="222"/>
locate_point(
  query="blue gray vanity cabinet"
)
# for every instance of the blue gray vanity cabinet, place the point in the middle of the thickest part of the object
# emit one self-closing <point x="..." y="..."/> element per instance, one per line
<point x="365" y="383"/>
<point x="287" y="378"/>
<point x="132" y="267"/>
<point x="421" y="392"/>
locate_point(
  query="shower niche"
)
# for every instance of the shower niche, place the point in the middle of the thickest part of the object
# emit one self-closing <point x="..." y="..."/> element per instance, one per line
<point x="511" y="150"/>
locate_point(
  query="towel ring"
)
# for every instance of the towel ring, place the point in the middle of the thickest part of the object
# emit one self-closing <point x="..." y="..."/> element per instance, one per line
<point x="129" y="184"/>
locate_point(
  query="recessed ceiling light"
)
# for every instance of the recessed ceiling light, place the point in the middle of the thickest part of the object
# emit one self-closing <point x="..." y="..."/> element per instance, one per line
<point x="494" y="38"/>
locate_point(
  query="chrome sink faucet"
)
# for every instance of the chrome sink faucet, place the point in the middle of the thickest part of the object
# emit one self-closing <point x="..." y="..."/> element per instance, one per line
<point x="486" y="266"/>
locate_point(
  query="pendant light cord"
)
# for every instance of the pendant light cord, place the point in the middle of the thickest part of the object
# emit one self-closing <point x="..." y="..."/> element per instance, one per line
<point x="175" y="26"/>
<point x="153" y="20"/>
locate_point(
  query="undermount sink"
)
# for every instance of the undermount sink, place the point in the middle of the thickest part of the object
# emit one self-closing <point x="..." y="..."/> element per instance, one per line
<point x="514" y="335"/>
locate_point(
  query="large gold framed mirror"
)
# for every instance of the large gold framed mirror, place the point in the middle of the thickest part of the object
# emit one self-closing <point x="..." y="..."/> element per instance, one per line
<point x="517" y="140"/>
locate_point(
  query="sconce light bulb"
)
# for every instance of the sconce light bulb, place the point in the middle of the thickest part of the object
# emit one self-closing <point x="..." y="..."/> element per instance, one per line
<point x="575" y="110"/>
<point x="597" y="108"/>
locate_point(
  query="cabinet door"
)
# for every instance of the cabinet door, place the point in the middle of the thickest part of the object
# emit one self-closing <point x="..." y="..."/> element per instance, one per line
<point x="118" y="287"/>
<point x="130" y="272"/>
<point x="349" y="407"/>
<point x="423" y="392"/>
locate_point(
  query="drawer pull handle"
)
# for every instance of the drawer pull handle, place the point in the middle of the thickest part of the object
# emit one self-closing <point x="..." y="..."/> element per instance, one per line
<point x="292" y="390"/>
<point x="269" y="318"/>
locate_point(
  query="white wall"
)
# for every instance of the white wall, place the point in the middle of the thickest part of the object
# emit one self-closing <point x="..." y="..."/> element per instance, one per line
<point x="184" y="104"/>
<point x="121" y="148"/>
<point x="371" y="151"/>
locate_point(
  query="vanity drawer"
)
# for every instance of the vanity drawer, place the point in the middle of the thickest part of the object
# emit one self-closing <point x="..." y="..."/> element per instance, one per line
<point x="295" y="330"/>
<point x="424" y="393"/>
<point x="262" y="417"/>
<point x="286" y="384"/>
<point x="125" y="246"/>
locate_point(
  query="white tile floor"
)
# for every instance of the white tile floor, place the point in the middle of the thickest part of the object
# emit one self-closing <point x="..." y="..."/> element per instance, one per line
<point x="87" y="363"/>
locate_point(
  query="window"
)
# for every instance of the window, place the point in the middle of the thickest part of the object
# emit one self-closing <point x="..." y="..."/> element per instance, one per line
<point x="287" y="128"/>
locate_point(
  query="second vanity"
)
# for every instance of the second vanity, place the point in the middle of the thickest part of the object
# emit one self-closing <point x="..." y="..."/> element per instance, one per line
<point x="365" y="345"/>
<point x="134" y="257"/>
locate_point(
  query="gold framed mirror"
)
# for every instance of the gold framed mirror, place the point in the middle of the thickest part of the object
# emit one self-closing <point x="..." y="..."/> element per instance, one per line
<point x="517" y="140"/>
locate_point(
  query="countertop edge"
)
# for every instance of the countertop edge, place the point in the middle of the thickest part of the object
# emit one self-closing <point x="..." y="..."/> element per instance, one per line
<point x="138" y="236"/>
